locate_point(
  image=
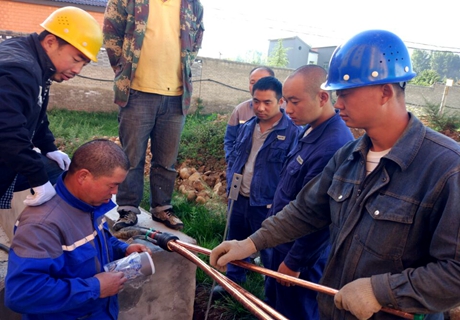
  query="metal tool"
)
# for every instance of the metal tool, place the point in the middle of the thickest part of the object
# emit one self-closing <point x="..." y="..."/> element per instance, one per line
<point x="232" y="196"/>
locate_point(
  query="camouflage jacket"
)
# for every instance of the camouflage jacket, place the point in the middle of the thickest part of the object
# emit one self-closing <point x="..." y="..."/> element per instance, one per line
<point x="124" y="28"/>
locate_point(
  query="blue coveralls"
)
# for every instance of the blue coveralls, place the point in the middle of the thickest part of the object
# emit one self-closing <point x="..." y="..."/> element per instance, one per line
<point x="309" y="253"/>
<point x="249" y="212"/>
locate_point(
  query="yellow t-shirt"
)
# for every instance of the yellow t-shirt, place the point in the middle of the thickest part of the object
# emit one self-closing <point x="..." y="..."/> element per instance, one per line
<point x="159" y="68"/>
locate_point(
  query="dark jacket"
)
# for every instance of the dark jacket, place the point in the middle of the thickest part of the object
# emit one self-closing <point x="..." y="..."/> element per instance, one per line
<point x="398" y="225"/>
<point x="25" y="72"/>
<point x="269" y="160"/>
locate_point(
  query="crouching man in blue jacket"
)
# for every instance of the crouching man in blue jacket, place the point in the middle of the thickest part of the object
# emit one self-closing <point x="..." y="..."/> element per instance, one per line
<point x="259" y="152"/>
<point x="55" y="266"/>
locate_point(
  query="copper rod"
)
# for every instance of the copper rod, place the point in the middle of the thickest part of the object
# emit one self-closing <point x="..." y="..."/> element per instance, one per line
<point x="284" y="277"/>
<point x="275" y="314"/>
<point x="248" y="303"/>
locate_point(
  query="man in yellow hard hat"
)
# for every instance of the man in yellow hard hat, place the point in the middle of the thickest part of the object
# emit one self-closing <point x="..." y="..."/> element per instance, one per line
<point x="28" y="65"/>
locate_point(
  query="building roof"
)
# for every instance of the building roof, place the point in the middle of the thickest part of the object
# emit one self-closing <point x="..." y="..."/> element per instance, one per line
<point x="96" y="3"/>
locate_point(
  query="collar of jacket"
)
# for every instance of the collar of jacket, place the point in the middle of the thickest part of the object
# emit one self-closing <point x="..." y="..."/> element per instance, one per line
<point x="318" y="132"/>
<point x="283" y="122"/>
<point x="406" y="147"/>
<point x="65" y="194"/>
<point x="48" y="68"/>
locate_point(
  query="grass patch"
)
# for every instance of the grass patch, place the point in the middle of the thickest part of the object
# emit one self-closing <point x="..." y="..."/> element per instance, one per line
<point x="202" y="138"/>
<point x="73" y="128"/>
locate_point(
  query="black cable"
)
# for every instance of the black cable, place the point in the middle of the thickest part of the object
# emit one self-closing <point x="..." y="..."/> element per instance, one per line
<point x="95" y="79"/>
<point x="200" y="80"/>
<point x="4" y="247"/>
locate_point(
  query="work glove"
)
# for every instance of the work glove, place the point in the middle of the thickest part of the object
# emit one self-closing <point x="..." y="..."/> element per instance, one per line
<point x="230" y="251"/>
<point x="41" y="194"/>
<point x="61" y="158"/>
<point x="358" y="298"/>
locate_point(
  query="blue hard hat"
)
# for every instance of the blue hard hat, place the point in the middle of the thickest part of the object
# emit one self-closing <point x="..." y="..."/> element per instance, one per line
<point x="370" y="57"/>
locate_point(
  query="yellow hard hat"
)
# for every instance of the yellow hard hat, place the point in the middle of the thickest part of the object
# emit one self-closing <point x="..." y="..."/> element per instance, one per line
<point x="78" y="28"/>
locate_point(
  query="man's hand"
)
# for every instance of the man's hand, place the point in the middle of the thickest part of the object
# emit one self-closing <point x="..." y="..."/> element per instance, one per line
<point x="283" y="268"/>
<point x="41" y="194"/>
<point x="358" y="298"/>
<point x="230" y="251"/>
<point x="137" y="247"/>
<point x="61" y="158"/>
<point x="110" y="283"/>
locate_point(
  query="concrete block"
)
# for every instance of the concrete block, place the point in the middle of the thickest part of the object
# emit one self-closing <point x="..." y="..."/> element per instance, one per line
<point x="167" y="294"/>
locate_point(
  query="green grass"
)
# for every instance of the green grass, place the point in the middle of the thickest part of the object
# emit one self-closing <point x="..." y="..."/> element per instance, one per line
<point x="73" y="128"/>
<point x="202" y="138"/>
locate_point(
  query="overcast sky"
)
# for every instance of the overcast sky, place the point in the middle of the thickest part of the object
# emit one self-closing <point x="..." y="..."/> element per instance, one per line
<point x="234" y="27"/>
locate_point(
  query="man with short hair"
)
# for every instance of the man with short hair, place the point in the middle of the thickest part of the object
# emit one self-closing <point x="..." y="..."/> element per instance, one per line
<point x="151" y="46"/>
<point x="324" y="133"/>
<point x="59" y="249"/>
<point x="389" y="198"/>
<point x="28" y="65"/>
<point x="244" y="111"/>
<point x="260" y="150"/>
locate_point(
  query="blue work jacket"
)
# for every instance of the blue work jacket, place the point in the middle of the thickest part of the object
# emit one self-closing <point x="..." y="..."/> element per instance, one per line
<point x="57" y="249"/>
<point x="305" y="161"/>
<point x="269" y="160"/>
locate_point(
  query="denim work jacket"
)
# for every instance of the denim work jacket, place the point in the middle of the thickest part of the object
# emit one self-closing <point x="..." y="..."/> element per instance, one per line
<point x="399" y="225"/>
<point x="124" y="30"/>
<point x="269" y="160"/>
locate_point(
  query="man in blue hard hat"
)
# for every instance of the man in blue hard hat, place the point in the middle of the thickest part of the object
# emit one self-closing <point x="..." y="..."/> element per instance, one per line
<point x="388" y="198"/>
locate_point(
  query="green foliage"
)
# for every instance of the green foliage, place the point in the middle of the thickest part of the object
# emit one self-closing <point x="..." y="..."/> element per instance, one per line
<point x="235" y="310"/>
<point x="278" y="57"/>
<point x="420" y="60"/>
<point x="449" y="120"/>
<point x="204" y="225"/>
<point x="73" y="128"/>
<point x="446" y="64"/>
<point x="199" y="106"/>
<point x="426" y="78"/>
<point x="200" y="222"/>
<point x="252" y="56"/>
<point x="202" y="138"/>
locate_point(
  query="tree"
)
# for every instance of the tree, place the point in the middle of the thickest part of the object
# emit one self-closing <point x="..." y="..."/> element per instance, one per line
<point x="252" y="56"/>
<point x="446" y="64"/>
<point x="278" y="57"/>
<point x="421" y="60"/>
<point x="426" y="78"/>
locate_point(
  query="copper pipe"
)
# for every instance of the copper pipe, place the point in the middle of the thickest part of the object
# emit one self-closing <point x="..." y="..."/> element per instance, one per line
<point x="241" y="295"/>
<point x="275" y="314"/>
<point x="284" y="277"/>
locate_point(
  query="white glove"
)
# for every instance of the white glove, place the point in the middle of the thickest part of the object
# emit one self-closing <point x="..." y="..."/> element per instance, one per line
<point x="41" y="194"/>
<point x="230" y="251"/>
<point x="61" y="158"/>
<point x="358" y="298"/>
